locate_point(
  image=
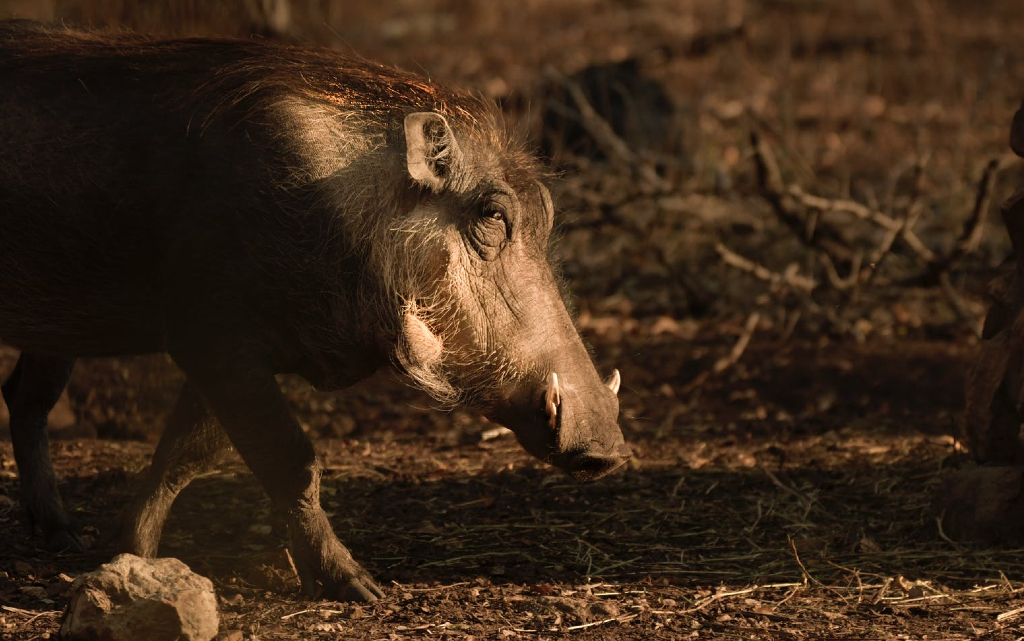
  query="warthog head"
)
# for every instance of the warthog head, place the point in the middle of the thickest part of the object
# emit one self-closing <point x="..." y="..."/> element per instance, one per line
<point x="482" y="319"/>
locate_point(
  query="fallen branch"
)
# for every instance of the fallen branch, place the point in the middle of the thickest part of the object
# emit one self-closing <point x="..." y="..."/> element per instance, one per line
<point x="620" y="619"/>
<point x="1010" y="614"/>
<point x="790" y="212"/>
<point x="863" y="212"/>
<point x="886" y="246"/>
<point x="789" y="200"/>
<point x="493" y="433"/>
<point x="32" y="613"/>
<point x="801" y="286"/>
<point x="788" y="277"/>
<point x="802" y="213"/>
<point x="837" y="281"/>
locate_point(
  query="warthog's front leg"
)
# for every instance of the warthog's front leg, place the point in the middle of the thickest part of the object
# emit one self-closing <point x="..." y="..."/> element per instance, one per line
<point x="248" y="402"/>
<point x="32" y="390"/>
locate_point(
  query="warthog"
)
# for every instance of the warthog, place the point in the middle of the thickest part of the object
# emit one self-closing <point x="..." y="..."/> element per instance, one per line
<point x="986" y="502"/>
<point x="995" y="381"/>
<point x="253" y="209"/>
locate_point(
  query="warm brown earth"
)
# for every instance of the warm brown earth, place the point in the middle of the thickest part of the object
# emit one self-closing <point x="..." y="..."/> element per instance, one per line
<point x="789" y="496"/>
<point x="773" y="503"/>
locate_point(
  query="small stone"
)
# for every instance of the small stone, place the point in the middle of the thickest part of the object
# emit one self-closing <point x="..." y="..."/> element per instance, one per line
<point x="133" y="598"/>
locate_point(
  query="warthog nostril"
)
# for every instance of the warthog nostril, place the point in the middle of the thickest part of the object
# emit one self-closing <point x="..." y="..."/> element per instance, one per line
<point x="552" y="400"/>
<point x="588" y="467"/>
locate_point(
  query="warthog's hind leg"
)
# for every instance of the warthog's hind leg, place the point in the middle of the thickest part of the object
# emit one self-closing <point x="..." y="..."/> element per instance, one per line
<point x="192" y="443"/>
<point x="32" y="390"/>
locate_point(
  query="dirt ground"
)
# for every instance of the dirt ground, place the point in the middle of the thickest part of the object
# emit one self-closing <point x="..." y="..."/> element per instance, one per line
<point x="784" y="488"/>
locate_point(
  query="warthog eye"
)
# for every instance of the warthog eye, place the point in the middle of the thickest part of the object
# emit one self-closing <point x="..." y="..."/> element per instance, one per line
<point x="494" y="212"/>
<point x="490" y="232"/>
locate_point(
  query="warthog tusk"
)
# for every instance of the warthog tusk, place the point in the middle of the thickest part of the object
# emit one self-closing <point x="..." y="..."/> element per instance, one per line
<point x="613" y="382"/>
<point x="423" y="345"/>
<point x="552" y="399"/>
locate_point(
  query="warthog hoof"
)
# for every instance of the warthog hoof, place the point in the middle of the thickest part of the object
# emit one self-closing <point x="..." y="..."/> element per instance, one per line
<point x="325" y="566"/>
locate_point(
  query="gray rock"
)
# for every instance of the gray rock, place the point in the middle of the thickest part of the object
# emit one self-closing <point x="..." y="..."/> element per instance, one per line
<point x="133" y="598"/>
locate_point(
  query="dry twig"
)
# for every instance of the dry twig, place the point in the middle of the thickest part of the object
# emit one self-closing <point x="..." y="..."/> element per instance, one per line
<point x="726" y="362"/>
<point x="789" y="211"/>
<point x="741" y="345"/>
<point x="788" y="277"/>
<point x="801" y="212"/>
<point x="975" y="224"/>
<point x="1010" y="614"/>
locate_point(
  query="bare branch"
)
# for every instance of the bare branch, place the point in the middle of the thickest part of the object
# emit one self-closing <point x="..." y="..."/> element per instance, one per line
<point x="789" y="277"/>
<point x="726" y="362"/>
<point x="799" y="210"/>
<point x="723" y="364"/>
<point x="811" y="232"/>
<point x="801" y="286"/>
<point x="975" y="225"/>
<point x="879" y="218"/>
<point x="837" y="281"/>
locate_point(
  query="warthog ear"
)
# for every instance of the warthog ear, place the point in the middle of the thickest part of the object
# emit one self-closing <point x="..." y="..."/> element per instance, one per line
<point x="431" y="151"/>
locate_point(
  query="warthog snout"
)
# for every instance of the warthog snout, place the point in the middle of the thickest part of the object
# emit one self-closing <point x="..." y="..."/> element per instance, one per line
<point x="569" y="419"/>
<point x="577" y="429"/>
